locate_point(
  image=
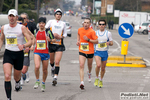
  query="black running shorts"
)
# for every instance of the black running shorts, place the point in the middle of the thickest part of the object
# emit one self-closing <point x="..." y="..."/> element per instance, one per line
<point x="55" y="48"/>
<point x="26" y="61"/>
<point x="15" y="58"/>
<point x="86" y="55"/>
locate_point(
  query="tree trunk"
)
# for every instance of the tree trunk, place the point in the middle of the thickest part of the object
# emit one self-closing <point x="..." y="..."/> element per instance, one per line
<point x="10" y="5"/>
<point x="1" y="5"/>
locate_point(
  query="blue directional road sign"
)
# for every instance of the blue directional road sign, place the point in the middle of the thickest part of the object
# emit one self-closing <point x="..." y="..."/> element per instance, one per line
<point x="125" y="30"/>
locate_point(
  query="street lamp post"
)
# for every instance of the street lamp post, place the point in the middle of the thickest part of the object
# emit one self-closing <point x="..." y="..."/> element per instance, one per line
<point x="38" y="4"/>
<point x="16" y="5"/>
<point x="93" y="5"/>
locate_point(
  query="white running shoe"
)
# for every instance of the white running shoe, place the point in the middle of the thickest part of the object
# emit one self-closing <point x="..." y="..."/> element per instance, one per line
<point x="18" y="87"/>
<point x="37" y="84"/>
<point x="27" y="77"/>
<point x="89" y="76"/>
<point x="21" y="81"/>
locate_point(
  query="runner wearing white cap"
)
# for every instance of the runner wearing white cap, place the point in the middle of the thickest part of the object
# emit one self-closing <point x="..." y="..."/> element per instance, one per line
<point x="56" y="49"/>
<point x="13" y="34"/>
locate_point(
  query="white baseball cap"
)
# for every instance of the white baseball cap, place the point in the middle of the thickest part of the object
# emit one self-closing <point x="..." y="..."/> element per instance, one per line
<point x="58" y="10"/>
<point x="13" y="12"/>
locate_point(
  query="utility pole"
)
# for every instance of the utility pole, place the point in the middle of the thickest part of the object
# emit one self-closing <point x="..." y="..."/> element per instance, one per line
<point x="38" y="6"/>
<point x="137" y="5"/>
<point x="16" y="5"/>
<point x="93" y="6"/>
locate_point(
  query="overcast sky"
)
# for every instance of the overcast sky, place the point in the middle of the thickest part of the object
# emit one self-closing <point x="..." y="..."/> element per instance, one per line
<point x="77" y="1"/>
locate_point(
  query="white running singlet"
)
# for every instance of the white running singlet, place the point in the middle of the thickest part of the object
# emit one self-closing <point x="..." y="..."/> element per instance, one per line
<point x="58" y="27"/>
<point x="13" y="36"/>
<point x="103" y="37"/>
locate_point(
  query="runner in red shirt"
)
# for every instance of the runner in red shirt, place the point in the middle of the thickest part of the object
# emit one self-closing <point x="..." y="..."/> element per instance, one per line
<point x="41" y="52"/>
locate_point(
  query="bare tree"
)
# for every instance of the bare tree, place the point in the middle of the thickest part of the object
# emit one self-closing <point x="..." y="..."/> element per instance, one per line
<point x="10" y="5"/>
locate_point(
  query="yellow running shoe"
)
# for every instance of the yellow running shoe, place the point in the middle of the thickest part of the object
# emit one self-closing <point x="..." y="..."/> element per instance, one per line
<point x="100" y="85"/>
<point x="96" y="82"/>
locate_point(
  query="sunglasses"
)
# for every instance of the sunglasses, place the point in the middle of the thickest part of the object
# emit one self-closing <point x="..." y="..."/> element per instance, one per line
<point x="19" y="22"/>
<point x="58" y="14"/>
<point x="102" y="24"/>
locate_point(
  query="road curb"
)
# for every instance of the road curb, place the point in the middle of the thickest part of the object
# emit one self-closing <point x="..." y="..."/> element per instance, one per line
<point x="131" y="61"/>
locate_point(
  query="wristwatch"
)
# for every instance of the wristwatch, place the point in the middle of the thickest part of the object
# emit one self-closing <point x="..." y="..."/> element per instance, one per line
<point x="88" y="40"/>
<point x="23" y="46"/>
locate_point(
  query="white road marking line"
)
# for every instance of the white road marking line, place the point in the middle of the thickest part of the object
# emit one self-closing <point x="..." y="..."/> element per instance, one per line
<point x="78" y="49"/>
<point x="147" y="77"/>
<point x="142" y="84"/>
<point x="116" y="48"/>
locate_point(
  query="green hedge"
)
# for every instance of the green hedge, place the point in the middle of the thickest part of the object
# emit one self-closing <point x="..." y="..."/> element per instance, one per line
<point x="107" y="18"/>
<point x="32" y="15"/>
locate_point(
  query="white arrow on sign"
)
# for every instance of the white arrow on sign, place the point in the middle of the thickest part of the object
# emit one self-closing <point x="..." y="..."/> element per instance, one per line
<point x="127" y="32"/>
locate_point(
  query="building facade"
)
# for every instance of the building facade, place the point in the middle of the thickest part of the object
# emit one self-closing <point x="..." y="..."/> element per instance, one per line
<point x="104" y="4"/>
<point x="145" y="5"/>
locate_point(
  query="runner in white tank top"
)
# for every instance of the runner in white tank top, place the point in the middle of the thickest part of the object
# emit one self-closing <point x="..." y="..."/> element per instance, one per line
<point x="101" y="51"/>
<point x="58" y="28"/>
<point x="13" y="34"/>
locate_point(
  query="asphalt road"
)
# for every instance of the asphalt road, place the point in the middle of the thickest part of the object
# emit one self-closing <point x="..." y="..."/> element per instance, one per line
<point x="116" y="80"/>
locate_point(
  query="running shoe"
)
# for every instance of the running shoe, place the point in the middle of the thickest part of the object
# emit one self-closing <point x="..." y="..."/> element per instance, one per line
<point x="8" y="99"/>
<point x="37" y="83"/>
<point x="21" y="81"/>
<point x="89" y="76"/>
<point x="82" y="86"/>
<point x="54" y="81"/>
<point x="24" y="76"/>
<point x="43" y="87"/>
<point x="18" y="87"/>
<point x="27" y="77"/>
<point x="100" y="84"/>
<point x="52" y="72"/>
<point x="96" y="82"/>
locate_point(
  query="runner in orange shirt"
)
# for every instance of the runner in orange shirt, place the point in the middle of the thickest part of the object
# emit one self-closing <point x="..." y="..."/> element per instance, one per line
<point x="86" y="39"/>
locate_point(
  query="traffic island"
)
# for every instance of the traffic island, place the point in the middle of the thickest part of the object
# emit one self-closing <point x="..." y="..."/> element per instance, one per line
<point x="130" y="61"/>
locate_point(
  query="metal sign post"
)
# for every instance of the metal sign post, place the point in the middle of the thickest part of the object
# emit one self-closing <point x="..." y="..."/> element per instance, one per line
<point x="125" y="31"/>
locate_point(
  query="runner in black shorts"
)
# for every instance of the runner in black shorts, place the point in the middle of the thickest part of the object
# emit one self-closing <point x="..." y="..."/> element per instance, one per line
<point x="86" y="55"/>
<point x="86" y="39"/>
<point x="56" y="49"/>
<point x="13" y="34"/>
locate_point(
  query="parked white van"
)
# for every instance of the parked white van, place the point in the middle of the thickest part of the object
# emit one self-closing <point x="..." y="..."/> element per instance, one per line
<point x="3" y="19"/>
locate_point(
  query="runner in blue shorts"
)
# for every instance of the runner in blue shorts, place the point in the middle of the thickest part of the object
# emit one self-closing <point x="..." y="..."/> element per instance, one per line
<point x="101" y="51"/>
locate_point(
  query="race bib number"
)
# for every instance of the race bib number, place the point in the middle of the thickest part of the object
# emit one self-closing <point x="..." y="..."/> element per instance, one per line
<point x="11" y="40"/>
<point x="25" y="54"/>
<point x="84" y="46"/>
<point x="102" y="45"/>
<point x="58" y="42"/>
<point x="41" y="44"/>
